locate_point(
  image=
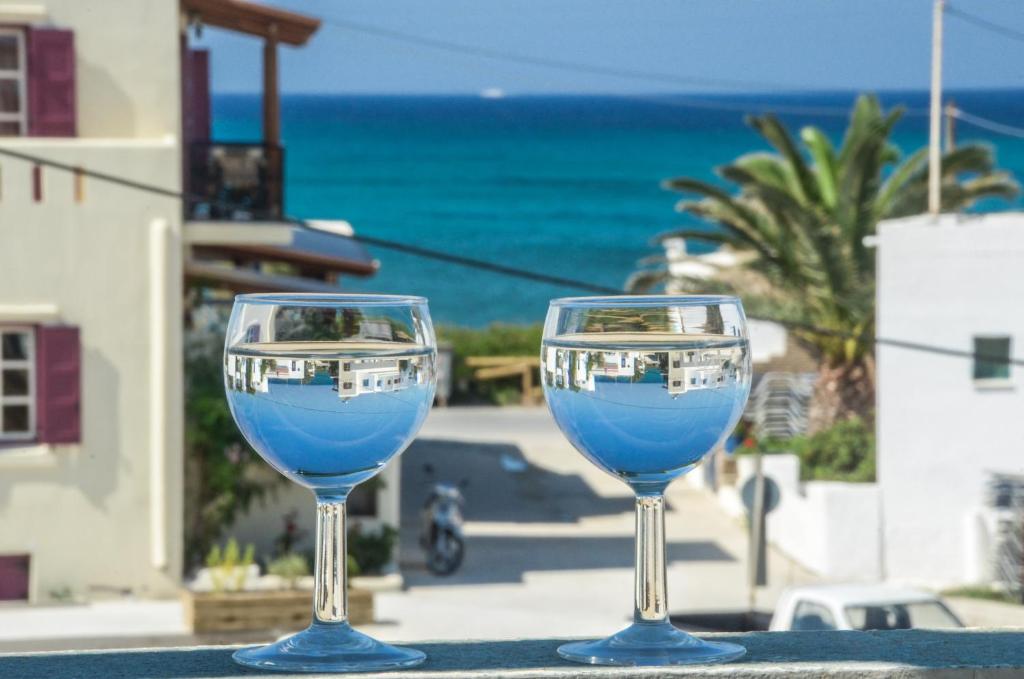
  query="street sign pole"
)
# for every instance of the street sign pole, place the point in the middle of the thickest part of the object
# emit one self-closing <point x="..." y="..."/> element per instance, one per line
<point x="757" y="567"/>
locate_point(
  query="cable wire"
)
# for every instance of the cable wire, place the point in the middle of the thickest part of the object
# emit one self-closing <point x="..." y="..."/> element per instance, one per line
<point x="491" y="266"/>
<point x="990" y="125"/>
<point x="982" y="22"/>
<point x="631" y="74"/>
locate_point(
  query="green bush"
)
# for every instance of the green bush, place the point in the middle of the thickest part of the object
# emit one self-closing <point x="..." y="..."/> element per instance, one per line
<point x="844" y="452"/>
<point x="371" y="551"/>
<point x="219" y="465"/>
<point x="498" y="339"/>
<point x="289" y="568"/>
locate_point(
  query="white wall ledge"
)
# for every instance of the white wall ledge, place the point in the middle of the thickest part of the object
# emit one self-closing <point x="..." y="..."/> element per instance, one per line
<point x="916" y="654"/>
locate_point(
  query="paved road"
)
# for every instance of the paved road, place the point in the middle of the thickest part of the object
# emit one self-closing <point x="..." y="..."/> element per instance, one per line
<point x="550" y="548"/>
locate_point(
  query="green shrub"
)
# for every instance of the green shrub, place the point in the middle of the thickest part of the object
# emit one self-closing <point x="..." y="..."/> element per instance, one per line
<point x="844" y="452"/>
<point x="219" y="480"/>
<point x="371" y="551"/>
<point x="498" y="339"/>
<point x="228" y="567"/>
<point x="289" y="568"/>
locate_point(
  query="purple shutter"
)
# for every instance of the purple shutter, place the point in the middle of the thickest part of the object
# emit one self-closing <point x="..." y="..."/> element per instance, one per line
<point x="58" y="389"/>
<point x="51" y="82"/>
<point x="196" y="74"/>
<point x="14" y="577"/>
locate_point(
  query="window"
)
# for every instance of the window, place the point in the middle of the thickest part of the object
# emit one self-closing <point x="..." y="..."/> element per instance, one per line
<point x="919" y="614"/>
<point x="13" y="104"/>
<point x="366" y="381"/>
<point x="812" y="617"/>
<point x="992" y="358"/>
<point x="677" y="383"/>
<point x="346" y="386"/>
<point x="17" y="384"/>
<point x="675" y="363"/>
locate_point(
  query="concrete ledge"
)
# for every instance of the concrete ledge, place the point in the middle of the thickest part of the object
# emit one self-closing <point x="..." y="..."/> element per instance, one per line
<point x="917" y="654"/>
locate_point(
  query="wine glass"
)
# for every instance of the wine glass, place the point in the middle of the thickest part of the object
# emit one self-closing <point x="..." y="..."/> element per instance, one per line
<point x="327" y="388"/>
<point x="644" y="387"/>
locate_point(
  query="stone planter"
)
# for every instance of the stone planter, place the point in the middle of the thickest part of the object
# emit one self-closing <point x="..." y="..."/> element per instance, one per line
<point x="286" y="610"/>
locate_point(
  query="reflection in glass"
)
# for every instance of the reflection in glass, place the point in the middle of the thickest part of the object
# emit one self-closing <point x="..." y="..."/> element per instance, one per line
<point x="644" y="387"/>
<point x="327" y="389"/>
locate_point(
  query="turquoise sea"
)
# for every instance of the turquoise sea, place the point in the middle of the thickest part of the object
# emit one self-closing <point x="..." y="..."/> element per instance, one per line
<point x="561" y="185"/>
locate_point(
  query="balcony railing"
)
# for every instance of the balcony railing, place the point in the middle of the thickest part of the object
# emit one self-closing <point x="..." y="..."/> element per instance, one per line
<point x="235" y="181"/>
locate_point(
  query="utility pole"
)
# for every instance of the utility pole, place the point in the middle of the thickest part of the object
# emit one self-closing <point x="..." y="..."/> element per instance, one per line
<point x="935" y="132"/>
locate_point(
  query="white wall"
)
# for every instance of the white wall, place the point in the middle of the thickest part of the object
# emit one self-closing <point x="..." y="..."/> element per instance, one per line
<point x="829" y="527"/>
<point x="939" y="434"/>
<point x="104" y="515"/>
<point x="128" y="73"/>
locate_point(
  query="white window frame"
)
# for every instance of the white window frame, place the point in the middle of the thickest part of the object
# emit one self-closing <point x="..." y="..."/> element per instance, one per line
<point x="21" y="76"/>
<point x="29" y="400"/>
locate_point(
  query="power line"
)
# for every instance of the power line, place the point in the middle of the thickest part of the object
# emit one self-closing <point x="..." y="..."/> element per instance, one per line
<point x="484" y="265"/>
<point x="676" y="101"/>
<point x="982" y="22"/>
<point x="547" y="62"/>
<point x="990" y="125"/>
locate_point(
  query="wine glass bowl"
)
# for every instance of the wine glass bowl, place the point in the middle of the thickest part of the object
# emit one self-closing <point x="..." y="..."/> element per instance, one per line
<point x="327" y="388"/>
<point x="644" y="387"/>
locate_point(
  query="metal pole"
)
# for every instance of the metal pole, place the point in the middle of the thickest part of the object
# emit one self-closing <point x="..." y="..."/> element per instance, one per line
<point x="757" y="551"/>
<point x="950" y="113"/>
<point x="935" y="133"/>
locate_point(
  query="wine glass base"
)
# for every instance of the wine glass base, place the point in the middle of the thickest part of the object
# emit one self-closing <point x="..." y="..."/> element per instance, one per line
<point x="650" y="644"/>
<point x="328" y="647"/>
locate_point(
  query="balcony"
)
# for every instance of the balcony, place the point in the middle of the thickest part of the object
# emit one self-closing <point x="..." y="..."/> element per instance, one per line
<point x="235" y="181"/>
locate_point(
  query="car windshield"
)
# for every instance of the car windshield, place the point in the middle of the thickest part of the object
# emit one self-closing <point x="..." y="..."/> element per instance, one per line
<point x="920" y="614"/>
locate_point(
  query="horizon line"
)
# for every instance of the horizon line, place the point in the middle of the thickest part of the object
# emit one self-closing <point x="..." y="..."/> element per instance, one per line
<point x="718" y="94"/>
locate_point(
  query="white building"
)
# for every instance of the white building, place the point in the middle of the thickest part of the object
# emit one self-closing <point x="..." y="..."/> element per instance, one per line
<point x="92" y="273"/>
<point x="947" y="424"/>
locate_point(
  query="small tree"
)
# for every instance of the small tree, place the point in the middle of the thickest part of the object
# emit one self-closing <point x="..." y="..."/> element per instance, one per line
<point x="219" y="465"/>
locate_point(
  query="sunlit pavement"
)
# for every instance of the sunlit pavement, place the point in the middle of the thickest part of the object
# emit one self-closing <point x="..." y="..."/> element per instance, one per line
<point x="550" y="548"/>
<point x="549" y="551"/>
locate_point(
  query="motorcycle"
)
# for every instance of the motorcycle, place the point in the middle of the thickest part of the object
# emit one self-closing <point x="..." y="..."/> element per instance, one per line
<point x="441" y="526"/>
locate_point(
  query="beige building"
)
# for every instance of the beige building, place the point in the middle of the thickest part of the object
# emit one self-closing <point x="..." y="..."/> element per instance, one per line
<point x="93" y="271"/>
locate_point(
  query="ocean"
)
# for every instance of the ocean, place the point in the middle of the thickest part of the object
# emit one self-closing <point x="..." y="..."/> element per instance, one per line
<point x="563" y="185"/>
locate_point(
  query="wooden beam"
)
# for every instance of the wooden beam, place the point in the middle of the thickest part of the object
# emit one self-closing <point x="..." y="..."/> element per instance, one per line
<point x="253" y="19"/>
<point x="271" y="100"/>
<point x="492" y="361"/>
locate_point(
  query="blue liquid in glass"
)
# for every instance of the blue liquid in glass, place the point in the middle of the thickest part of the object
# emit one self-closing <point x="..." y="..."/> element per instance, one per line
<point x="329" y="415"/>
<point x="645" y="413"/>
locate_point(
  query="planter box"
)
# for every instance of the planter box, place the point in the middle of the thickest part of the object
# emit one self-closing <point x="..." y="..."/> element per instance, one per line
<point x="267" y="610"/>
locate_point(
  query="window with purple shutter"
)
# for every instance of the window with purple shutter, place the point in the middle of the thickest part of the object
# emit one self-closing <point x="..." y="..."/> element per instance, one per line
<point x="58" y="388"/>
<point x="51" y="82"/>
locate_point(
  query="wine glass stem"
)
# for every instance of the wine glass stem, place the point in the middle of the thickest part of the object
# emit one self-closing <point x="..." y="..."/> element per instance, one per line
<point x="330" y="596"/>
<point x="651" y="596"/>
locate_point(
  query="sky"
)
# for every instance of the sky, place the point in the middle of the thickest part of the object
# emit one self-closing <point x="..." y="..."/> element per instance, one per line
<point x="740" y="45"/>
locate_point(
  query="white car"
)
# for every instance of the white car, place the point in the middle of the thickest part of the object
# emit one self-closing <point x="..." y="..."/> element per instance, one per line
<point x="860" y="607"/>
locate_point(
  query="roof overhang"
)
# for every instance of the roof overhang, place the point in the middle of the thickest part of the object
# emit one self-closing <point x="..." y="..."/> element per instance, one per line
<point x="320" y="249"/>
<point x="231" y="255"/>
<point x="249" y="280"/>
<point x="251" y="18"/>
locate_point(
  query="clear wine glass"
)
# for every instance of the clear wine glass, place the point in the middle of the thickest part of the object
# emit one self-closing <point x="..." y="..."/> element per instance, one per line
<point x="644" y="387"/>
<point x="327" y="388"/>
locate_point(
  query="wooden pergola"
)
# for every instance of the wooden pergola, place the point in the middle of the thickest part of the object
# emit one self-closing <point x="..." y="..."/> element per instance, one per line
<point x="271" y="24"/>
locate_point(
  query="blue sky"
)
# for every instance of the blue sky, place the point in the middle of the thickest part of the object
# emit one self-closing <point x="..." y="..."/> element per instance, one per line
<point x="790" y="44"/>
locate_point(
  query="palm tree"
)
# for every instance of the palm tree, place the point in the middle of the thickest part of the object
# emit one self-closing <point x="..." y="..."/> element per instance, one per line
<point x="800" y="217"/>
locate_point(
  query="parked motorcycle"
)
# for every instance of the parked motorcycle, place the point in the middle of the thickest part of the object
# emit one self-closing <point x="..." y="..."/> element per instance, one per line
<point x="441" y="526"/>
